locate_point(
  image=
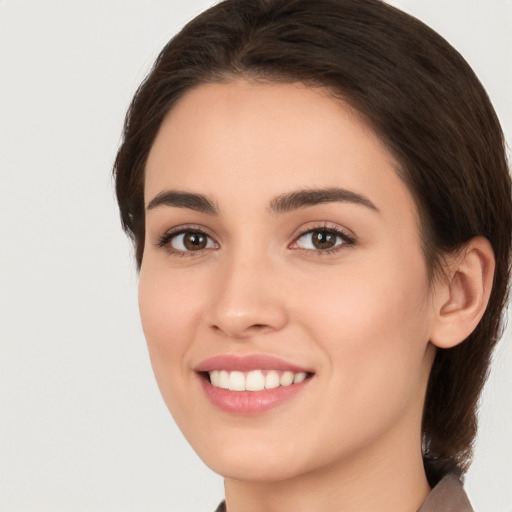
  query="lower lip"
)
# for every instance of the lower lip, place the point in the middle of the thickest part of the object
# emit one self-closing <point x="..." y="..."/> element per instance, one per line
<point x="251" y="402"/>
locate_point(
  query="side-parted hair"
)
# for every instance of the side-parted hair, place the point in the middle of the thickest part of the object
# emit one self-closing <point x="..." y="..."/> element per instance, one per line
<point x="424" y="102"/>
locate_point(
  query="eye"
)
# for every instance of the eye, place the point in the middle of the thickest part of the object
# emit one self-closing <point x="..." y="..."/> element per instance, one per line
<point x="187" y="241"/>
<point x="322" y="240"/>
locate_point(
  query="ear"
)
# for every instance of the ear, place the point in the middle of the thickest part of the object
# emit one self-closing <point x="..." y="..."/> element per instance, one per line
<point x="461" y="297"/>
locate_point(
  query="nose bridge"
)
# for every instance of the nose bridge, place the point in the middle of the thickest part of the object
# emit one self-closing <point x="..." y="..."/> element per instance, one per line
<point x="247" y="298"/>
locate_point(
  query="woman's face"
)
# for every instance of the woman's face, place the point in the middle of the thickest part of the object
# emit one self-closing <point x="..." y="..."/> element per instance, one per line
<point x="281" y="242"/>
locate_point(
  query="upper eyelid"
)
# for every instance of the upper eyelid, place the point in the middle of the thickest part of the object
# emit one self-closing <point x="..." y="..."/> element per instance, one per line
<point x="324" y="227"/>
<point x="164" y="241"/>
<point x="178" y="230"/>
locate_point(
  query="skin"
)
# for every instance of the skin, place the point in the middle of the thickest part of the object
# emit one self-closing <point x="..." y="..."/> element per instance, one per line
<point x="361" y="317"/>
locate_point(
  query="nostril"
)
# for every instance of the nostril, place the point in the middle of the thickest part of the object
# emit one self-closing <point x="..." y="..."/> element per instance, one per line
<point x="243" y="321"/>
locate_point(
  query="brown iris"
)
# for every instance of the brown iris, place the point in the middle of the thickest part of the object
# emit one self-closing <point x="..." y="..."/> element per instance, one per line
<point x="194" y="241"/>
<point x="324" y="239"/>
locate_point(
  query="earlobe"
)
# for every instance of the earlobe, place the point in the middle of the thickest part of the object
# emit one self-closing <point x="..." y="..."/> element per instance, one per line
<point x="461" y="298"/>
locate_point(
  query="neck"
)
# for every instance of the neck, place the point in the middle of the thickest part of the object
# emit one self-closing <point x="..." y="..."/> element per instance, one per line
<point x="374" y="480"/>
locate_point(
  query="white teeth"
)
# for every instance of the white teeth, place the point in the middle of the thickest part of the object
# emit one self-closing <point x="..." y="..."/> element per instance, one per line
<point x="255" y="380"/>
<point x="271" y="380"/>
<point x="236" y="381"/>
<point x="299" y="377"/>
<point x="223" y="379"/>
<point x="286" y="379"/>
<point x="214" y="378"/>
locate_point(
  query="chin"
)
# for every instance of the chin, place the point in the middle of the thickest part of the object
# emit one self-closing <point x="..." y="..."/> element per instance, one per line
<point x="251" y="467"/>
<point x="247" y="458"/>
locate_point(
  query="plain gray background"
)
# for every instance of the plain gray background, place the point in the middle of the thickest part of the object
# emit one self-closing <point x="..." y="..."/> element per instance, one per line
<point x="82" y="424"/>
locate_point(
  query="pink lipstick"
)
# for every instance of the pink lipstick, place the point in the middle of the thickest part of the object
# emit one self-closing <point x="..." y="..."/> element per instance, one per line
<point x="251" y="384"/>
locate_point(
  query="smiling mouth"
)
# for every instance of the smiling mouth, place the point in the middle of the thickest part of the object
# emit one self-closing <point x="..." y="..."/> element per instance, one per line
<point x="251" y="384"/>
<point x="254" y="380"/>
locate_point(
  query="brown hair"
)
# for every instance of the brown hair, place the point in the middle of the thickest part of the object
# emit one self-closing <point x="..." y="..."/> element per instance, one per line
<point x="421" y="98"/>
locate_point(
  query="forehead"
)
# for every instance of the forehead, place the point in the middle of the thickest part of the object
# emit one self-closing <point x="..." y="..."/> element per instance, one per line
<point x="250" y="141"/>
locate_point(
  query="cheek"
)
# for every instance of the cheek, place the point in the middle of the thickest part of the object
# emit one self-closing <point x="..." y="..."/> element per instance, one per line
<point x="366" y="301"/>
<point x="167" y="303"/>
<point x="168" y="320"/>
<point x="373" y="327"/>
<point x="373" y="334"/>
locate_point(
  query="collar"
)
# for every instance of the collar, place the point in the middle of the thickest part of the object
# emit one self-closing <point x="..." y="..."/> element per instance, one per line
<point x="447" y="496"/>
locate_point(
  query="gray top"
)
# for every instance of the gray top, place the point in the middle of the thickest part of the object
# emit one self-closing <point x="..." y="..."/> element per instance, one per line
<point x="447" y="496"/>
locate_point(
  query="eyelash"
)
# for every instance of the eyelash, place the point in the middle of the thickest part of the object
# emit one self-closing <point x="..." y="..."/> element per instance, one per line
<point x="165" y="239"/>
<point x="347" y="240"/>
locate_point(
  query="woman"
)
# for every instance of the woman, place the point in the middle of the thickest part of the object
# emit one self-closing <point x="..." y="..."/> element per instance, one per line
<point x="320" y="203"/>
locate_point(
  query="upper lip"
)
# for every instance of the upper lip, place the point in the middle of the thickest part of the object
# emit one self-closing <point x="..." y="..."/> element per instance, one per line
<point x="239" y="363"/>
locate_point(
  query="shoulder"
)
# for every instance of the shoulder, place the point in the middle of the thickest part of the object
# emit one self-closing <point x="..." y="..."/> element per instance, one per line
<point x="447" y="496"/>
<point x="221" y="507"/>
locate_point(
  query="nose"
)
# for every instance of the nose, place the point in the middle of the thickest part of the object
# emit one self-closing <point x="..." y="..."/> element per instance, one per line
<point x="247" y="298"/>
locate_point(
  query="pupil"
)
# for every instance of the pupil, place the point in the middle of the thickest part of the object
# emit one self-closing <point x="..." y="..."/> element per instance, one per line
<point x="324" y="240"/>
<point x="195" y="241"/>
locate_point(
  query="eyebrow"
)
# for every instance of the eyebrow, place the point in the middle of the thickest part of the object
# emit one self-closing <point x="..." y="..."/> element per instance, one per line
<point x="281" y="204"/>
<point x="310" y="197"/>
<point x="180" y="199"/>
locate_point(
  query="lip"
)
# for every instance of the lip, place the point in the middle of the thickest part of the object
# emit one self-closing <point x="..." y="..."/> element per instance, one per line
<point x="249" y="402"/>
<point x="231" y="362"/>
